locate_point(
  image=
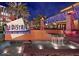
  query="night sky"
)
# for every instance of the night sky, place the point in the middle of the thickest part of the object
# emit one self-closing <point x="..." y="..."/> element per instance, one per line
<point x="47" y="9"/>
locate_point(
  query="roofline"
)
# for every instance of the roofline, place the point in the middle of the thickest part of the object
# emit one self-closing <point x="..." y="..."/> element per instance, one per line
<point x="66" y="9"/>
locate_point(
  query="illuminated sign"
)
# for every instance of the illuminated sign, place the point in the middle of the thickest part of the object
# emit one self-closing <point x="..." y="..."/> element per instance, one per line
<point x="16" y="26"/>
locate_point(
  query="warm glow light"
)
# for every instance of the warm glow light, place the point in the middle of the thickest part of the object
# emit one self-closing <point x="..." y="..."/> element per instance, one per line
<point x="54" y="23"/>
<point x="55" y="46"/>
<point x="40" y="47"/>
<point x="5" y="14"/>
<point x="19" y="49"/>
<point x="46" y="24"/>
<point x="5" y="51"/>
<point x="71" y="12"/>
<point x="72" y="47"/>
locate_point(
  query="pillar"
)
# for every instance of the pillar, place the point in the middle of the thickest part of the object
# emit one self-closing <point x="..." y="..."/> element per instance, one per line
<point x="31" y="25"/>
<point x="78" y="25"/>
<point x="42" y="23"/>
<point x="70" y="21"/>
<point x="57" y="26"/>
<point x="60" y="26"/>
<point x="62" y="41"/>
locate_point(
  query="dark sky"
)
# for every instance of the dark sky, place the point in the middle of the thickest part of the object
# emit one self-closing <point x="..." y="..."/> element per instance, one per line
<point x="44" y="8"/>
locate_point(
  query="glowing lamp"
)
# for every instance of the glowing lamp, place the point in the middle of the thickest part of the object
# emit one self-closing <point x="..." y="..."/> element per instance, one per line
<point x="71" y="12"/>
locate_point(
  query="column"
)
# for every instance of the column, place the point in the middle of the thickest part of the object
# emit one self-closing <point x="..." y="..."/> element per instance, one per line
<point x="70" y="21"/>
<point x="60" y="26"/>
<point x="54" y="40"/>
<point x="57" y="26"/>
<point x="78" y="24"/>
<point x="62" y="40"/>
<point x="59" y="41"/>
<point x="31" y="25"/>
<point x="42" y="23"/>
<point x="64" y="26"/>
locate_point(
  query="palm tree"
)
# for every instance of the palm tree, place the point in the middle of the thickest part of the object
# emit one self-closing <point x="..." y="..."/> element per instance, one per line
<point x="19" y="9"/>
<point x="37" y="21"/>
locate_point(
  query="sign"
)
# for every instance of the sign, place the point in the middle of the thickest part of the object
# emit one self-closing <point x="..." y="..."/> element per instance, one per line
<point x="16" y="26"/>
